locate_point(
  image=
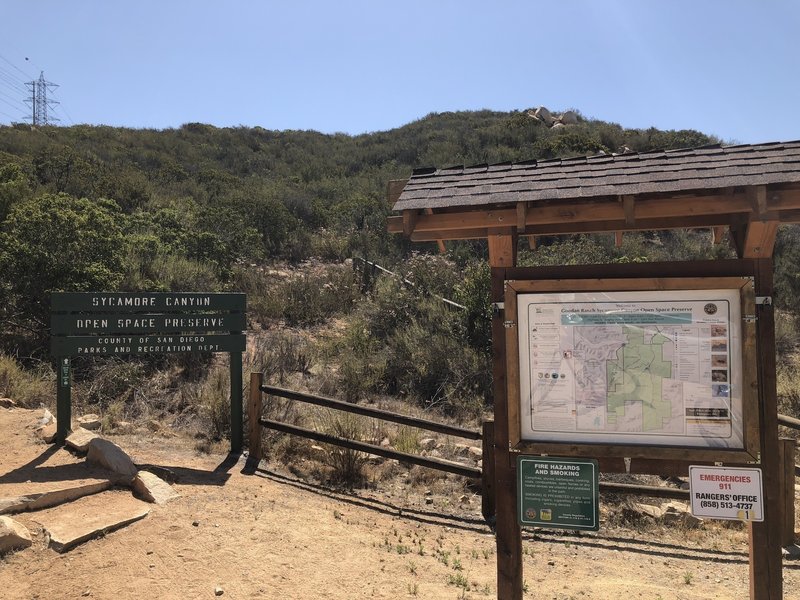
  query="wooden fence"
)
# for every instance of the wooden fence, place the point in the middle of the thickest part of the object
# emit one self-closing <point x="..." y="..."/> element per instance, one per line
<point x="486" y="436"/>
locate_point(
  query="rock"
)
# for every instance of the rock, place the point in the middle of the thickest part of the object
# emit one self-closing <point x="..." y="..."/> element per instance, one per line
<point x="461" y="449"/>
<point x="153" y="425"/>
<point x="569" y="118"/>
<point x="476" y="452"/>
<point x="428" y="500"/>
<point x="77" y="522"/>
<point x="7" y="403"/>
<point x="110" y="456"/>
<point x="13" y="535"/>
<point x="90" y="422"/>
<point x="427" y="443"/>
<point x="47" y="417"/>
<point x="386" y="442"/>
<point x="218" y="591"/>
<point x="543" y="115"/>
<point x="47" y="433"/>
<point x="792" y="552"/>
<point x="648" y="510"/>
<point x="678" y="512"/>
<point x="151" y="488"/>
<point x="80" y="438"/>
<point x="557" y="125"/>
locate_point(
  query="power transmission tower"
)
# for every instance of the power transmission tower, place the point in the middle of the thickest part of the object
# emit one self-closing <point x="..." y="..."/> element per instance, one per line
<point x="39" y="102"/>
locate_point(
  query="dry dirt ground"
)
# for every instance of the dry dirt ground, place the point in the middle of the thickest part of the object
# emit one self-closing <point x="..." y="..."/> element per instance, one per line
<point x="270" y="535"/>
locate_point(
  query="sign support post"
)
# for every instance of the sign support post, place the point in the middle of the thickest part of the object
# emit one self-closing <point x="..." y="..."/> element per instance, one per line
<point x="766" y="577"/>
<point x="63" y="398"/>
<point x="236" y="402"/>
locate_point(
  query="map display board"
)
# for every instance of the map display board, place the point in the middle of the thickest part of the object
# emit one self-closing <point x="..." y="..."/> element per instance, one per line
<point x="650" y="367"/>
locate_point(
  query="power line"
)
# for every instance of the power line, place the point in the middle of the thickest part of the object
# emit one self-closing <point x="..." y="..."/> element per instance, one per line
<point x="9" y="81"/>
<point x="16" y="67"/>
<point x="8" y="115"/>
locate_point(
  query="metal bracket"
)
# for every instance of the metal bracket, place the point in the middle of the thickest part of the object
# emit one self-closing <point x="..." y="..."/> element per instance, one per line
<point x="497" y="307"/>
<point x="765" y="300"/>
<point x="750" y="318"/>
<point x="509" y="324"/>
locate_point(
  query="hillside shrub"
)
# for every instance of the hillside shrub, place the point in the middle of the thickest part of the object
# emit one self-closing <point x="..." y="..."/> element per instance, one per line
<point x="28" y="388"/>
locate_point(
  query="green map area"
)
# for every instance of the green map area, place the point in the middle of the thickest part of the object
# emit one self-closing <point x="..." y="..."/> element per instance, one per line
<point x="636" y="375"/>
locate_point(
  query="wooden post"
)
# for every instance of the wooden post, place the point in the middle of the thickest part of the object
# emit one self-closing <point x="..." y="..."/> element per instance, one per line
<point x="236" y="402"/>
<point x="487" y="473"/>
<point x="508" y="533"/>
<point x="253" y="414"/>
<point x="766" y="576"/>
<point x="787" y="485"/>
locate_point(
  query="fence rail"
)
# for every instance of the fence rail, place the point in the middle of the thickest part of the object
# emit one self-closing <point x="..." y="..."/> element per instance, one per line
<point x="375" y="413"/>
<point x="486" y="435"/>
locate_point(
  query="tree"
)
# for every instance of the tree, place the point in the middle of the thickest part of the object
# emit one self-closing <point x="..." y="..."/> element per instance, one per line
<point x="54" y="242"/>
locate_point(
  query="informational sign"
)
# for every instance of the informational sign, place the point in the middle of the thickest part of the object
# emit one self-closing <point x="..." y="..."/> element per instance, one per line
<point x="562" y="493"/>
<point x="653" y="368"/>
<point x="104" y="323"/>
<point x="114" y="324"/>
<point x="729" y="493"/>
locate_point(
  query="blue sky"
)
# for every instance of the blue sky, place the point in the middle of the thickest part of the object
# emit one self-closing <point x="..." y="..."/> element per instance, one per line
<point x="729" y="68"/>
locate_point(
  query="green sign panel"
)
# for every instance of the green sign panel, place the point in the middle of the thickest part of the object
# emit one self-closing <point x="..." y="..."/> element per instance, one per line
<point x="145" y="301"/>
<point x="562" y="493"/>
<point x="78" y="324"/>
<point x="112" y="345"/>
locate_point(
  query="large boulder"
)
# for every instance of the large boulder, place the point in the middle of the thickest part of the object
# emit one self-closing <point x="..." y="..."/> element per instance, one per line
<point x="110" y="456"/>
<point x="542" y="114"/>
<point x="569" y="118"/>
<point x="13" y="535"/>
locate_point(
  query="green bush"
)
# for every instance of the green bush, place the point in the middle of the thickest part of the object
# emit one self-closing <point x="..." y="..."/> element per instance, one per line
<point x="56" y="243"/>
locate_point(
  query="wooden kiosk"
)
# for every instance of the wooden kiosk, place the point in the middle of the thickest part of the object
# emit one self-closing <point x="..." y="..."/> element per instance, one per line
<point x="745" y="190"/>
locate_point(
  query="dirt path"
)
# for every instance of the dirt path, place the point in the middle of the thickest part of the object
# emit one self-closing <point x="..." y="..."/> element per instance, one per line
<point x="269" y="535"/>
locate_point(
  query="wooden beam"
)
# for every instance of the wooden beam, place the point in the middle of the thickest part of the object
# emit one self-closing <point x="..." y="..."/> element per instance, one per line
<point x="759" y="239"/>
<point x="718" y="233"/>
<point x="766" y="576"/>
<point x="757" y="195"/>
<point x="439" y="241"/>
<point x="409" y="222"/>
<point x="502" y="248"/>
<point x="508" y="534"/>
<point x="393" y="190"/>
<point x="532" y="242"/>
<point x="618" y="239"/>
<point x="720" y="207"/>
<point x="395" y="225"/>
<point x="522" y="216"/>
<point x="629" y="208"/>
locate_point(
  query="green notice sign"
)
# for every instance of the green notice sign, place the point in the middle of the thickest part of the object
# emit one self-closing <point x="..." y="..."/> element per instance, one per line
<point x="562" y="493"/>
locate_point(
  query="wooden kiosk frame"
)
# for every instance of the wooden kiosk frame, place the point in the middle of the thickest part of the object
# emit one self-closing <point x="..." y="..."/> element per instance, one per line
<point x="743" y="191"/>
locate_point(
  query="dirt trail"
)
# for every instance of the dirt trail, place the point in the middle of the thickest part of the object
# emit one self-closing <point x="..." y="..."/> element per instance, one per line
<point x="269" y="535"/>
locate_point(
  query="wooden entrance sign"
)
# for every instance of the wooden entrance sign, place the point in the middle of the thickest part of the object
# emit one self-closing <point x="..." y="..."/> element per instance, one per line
<point x="124" y="324"/>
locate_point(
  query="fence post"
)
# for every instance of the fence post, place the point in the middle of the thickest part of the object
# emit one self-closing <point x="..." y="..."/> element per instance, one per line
<point x="786" y="450"/>
<point x="487" y="472"/>
<point x="253" y="415"/>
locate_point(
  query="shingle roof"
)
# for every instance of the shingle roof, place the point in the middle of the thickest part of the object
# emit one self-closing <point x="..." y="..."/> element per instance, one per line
<point x="671" y="171"/>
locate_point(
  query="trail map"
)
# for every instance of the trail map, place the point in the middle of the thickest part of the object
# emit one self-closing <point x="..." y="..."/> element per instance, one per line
<point x="631" y="366"/>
